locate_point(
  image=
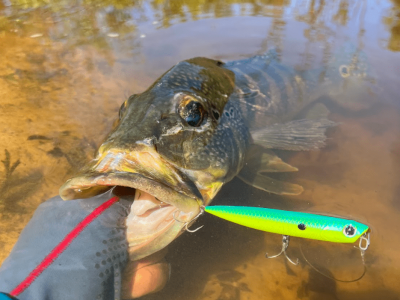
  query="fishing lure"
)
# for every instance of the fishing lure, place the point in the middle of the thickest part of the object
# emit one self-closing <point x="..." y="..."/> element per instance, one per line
<point x="298" y="224"/>
<point x="303" y="225"/>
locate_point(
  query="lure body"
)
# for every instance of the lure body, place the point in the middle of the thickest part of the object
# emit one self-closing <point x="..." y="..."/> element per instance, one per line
<point x="298" y="224"/>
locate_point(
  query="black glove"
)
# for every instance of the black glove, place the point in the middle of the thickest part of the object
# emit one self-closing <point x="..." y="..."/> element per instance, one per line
<point x="70" y="250"/>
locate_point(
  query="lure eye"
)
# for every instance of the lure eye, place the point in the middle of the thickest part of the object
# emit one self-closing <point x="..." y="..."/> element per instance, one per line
<point x="301" y="226"/>
<point x="192" y="111"/>
<point x="349" y="230"/>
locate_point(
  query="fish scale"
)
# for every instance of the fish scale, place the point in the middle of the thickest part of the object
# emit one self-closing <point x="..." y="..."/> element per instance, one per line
<point x="298" y="224"/>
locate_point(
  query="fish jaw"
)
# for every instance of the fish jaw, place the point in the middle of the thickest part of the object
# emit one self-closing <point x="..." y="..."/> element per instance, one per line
<point x="151" y="227"/>
<point x="172" y="199"/>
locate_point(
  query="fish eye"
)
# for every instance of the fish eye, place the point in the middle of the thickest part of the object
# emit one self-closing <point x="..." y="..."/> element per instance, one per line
<point x="349" y="230"/>
<point x="122" y="109"/>
<point x="192" y="111"/>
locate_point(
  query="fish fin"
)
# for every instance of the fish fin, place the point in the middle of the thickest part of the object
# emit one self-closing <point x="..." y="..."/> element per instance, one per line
<point x="349" y="62"/>
<point x="272" y="54"/>
<point x="317" y="111"/>
<point x="265" y="58"/>
<point x="348" y="78"/>
<point x="259" y="160"/>
<point x="272" y="185"/>
<point x="275" y="164"/>
<point x="272" y="163"/>
<point x="296" y="135"/>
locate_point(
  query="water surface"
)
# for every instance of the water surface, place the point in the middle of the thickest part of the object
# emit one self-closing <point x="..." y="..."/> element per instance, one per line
<point x="66" y="67"/>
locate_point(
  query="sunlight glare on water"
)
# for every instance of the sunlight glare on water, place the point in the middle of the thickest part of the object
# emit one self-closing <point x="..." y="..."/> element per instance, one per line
<point x="66" y="67"/>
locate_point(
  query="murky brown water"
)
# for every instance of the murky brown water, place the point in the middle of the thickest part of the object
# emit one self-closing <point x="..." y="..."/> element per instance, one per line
<point x="66" y="67"/>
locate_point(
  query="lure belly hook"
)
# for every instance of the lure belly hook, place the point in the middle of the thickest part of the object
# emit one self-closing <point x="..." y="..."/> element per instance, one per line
<point x="285" y="245"/>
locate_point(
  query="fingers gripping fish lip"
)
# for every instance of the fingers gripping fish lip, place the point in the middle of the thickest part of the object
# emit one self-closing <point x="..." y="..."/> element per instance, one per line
<point x="151" y="224"/>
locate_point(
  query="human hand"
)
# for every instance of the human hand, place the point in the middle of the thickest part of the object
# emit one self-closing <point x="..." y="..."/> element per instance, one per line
<point x="91" y="264"/>
<point x="148" y="275"/>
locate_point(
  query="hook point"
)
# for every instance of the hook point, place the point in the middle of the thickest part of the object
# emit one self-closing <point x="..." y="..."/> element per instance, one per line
<point x="187" y="224"/>
<point x="285" y="245"/>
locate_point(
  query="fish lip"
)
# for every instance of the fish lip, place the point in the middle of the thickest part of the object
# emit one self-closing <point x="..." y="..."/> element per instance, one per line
<point x="147" y="171"/>
<point x="80" y="187"/>
<point x="139" y="246"/>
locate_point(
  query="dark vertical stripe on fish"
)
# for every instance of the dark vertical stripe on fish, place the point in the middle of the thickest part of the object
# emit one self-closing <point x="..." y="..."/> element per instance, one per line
<point x="280" y="96"/>
<point x="294" y="94"/>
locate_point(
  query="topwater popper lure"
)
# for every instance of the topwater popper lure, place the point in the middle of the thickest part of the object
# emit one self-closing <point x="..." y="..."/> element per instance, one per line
<point x="298" y="224"/>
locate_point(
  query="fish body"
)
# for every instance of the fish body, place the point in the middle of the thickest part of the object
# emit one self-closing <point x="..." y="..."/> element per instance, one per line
<point x="268" y="91"/>
<point x="298" y="224"/>
<point x="202" y="123"/>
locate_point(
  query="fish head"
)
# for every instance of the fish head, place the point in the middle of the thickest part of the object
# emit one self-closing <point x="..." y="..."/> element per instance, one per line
<point x="165" y="145"/>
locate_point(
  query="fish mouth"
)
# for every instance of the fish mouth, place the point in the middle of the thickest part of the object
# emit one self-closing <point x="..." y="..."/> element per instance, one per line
<point x="165" y="200"/>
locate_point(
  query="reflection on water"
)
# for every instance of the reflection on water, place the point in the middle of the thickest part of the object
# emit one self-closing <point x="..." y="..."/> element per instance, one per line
<point x="66" y="67"/>
<point x="393" y="23"/>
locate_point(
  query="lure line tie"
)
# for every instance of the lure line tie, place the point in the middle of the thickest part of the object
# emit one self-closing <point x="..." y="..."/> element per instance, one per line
<point x="363" y="246"/>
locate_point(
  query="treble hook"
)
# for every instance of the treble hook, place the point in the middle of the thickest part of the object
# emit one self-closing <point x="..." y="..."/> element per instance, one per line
<point x="187" y="224"/>
<point x="285" y="245"/>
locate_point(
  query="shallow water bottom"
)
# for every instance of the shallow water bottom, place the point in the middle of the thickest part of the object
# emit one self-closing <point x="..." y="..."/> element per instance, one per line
<point x="356" y="176"/>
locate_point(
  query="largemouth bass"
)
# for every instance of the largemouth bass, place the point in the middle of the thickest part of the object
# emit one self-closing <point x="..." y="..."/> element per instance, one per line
<point x="198" y="126"/>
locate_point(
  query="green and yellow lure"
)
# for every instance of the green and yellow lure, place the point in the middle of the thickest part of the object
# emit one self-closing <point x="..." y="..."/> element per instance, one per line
<point x="303" y="225"/>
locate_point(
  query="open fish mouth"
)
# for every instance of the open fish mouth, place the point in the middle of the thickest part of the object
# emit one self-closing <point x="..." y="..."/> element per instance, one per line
<point x="164" y="198"/>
